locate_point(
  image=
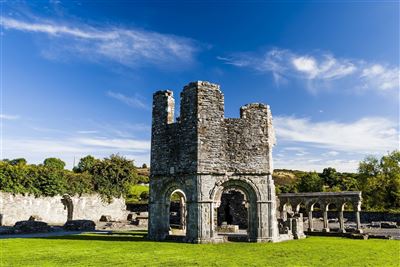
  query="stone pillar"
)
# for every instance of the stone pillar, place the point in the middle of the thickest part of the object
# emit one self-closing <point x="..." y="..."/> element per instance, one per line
<point x="158" y="221"/>
<point x="283" y="214"/>
<point x="358" y="222"/>
<point x="326" y="227"/>
<point x="341" y="222"/>
<point x="183" y="213"/>
<point x="310" y="221"/>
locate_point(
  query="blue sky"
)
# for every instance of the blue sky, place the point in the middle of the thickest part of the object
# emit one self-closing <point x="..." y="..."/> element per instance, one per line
<point x="77" y="77"/>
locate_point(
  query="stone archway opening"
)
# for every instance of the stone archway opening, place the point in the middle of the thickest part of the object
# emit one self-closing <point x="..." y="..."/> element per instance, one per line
<point x="312" y="222"/>
<point x="235" y="202"/>
<point x="287" y="211"/>
<point x="301" y="208"/>
<point x="232" y="212"/>
<point x="177" y="213"/>
<point x="333" y="217"/>
<point x="350" y="215"/>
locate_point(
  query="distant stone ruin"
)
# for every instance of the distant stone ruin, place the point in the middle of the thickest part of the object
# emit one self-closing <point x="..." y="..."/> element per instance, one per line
<point x="203" y="155"/>
<point x="325" y="201"/>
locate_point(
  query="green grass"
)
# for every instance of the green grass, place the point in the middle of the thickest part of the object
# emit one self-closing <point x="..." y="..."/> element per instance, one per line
<point x="132" y="249"/>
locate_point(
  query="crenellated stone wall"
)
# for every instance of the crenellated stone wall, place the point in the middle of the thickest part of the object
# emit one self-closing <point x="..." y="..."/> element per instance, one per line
<point x="202" y="155"/>
<point x="203" y="141"/>
<point x="51" y="209"/>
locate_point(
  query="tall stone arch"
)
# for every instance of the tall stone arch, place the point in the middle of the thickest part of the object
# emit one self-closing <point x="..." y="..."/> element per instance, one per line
<point x="252" y="195"/>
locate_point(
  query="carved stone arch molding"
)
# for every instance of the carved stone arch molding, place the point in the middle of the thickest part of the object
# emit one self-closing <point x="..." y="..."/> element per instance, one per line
<point x="253" y="195"/>
<point x="240" y="183"/>
<point x="171" y="188"/>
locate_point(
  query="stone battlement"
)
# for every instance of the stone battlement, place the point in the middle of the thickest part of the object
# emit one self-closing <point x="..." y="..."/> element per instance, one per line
<point x="202" y="140"/>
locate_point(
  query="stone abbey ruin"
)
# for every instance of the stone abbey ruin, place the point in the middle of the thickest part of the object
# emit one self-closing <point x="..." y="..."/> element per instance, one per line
<point x="202" y="155"/>
<point x="221" y="171"/>
<point x="210" y="181"/>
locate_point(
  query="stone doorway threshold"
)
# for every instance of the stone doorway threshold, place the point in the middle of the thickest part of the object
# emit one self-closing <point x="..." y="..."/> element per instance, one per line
<point x="240" y="236"/>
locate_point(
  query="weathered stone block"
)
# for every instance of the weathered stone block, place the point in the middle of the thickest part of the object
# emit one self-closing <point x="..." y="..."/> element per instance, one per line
<point x="30" y="227"/>
<point x="80" y="225"/>
<point x="228" y="228"/>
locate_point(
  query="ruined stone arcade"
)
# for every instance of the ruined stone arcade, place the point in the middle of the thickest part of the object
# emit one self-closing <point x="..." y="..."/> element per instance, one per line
<point x="325" y="200"/>
<point x="201" y="155"/>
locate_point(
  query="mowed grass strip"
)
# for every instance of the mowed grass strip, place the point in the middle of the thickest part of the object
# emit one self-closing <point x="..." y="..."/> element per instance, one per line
<point x="131" y="248"/>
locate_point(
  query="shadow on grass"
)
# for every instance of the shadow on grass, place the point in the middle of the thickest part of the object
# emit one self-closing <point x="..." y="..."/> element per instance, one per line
<point x="123" y="236"/>
<point x="112" y="236"/>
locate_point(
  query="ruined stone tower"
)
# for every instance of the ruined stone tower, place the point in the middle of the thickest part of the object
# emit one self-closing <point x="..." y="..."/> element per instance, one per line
<point x="203" y="154"/>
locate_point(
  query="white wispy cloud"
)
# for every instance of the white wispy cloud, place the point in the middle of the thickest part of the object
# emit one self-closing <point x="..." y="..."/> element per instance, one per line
<point x="115" y="144"/>
<point x="87" y="131"/>
<point x="315" y="164"/>
<point x="331" y="153"/>
<point x="9" y="117"/>
<point x="326" y="68"/>
<point x="97" y="138"/>
<point x="379" y="76"/>
<point x="367" y="135"/>
<point x="127" y="46"/>
<point x="135" y="102"/>
<point x="319" y="70"/>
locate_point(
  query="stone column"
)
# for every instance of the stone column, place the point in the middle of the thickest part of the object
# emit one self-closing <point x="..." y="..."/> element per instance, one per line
<point x="326" y="227"/>
<point x="358" y="222"/>
<point x="341" y="222"/>
<point x="310" y="221"/>
<point x="283" y="214"/>
<point x="183" y="213"/>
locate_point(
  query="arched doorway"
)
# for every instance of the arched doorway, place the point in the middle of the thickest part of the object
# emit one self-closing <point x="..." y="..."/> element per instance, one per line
<point x="312" y="224"/>
<point x="177" y="213"/>
<point x="235" y="206"/>
<point x="232" y="210"/>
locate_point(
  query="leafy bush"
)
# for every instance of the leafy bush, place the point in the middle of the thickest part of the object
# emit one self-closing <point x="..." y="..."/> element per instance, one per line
<point x="135" y="192"/>
<point x="109" y="177"/>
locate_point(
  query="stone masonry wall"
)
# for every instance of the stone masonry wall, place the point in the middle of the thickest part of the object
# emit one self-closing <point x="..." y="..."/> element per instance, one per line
<point x="18" y="207"/>
<point x="203" y="141"/>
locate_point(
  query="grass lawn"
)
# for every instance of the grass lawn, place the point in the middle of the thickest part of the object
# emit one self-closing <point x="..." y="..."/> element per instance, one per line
<point x="132" y="249"/>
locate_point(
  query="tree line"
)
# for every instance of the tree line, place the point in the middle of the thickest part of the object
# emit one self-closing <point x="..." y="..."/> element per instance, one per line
<point x="378" y="179"/>
<point x="116" y="176"/>
<point x="110" y="177"/>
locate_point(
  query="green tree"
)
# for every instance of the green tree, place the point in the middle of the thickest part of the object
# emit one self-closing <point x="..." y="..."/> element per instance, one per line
<point x="50" y="181"/>
<point x="348" y="182"/>
<point x="390" y="169"/>
<point x="86" y="164"/>
<point x="330" y="177"/>
<point x="54" y="163"/>
<point x="79" y="183"/>
<point x="113" y="176"/>
<point x="380" y="181"/>
<point x="18" y="161"/>
<point x="310" y="182"/>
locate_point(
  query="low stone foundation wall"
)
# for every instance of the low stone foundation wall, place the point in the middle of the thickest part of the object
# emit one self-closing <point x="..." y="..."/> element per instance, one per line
<point x="365" y="216"/>
<point x="15" y="208"/>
